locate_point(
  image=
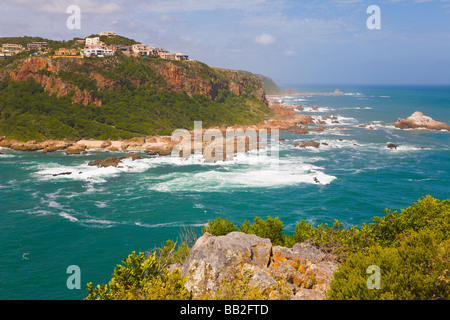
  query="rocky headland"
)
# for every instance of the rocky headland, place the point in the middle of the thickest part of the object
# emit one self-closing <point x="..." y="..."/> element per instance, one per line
<point x="291" y="92"/>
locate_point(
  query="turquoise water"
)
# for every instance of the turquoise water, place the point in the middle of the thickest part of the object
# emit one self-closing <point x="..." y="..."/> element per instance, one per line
<point x="95" y="217"/>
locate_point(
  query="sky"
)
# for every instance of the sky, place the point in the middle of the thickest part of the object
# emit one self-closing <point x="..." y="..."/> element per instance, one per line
<point x="293" y="42"/>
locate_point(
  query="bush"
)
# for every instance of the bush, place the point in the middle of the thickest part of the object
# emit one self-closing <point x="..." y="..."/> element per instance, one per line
<point x="170" y="254"/>
<point x="418" y="270"/>
<point x="270" y="228"/>
<point x="387" y="231"/>
<point x="219" y="227"/>
<point x="136" y="270"/>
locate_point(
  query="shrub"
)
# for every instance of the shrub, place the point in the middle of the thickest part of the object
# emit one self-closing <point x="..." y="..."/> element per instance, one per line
<point x="136" y="270"/>
<point x="418" y="269"/>
<point x="170" y="253"/>
<point x="387" y="231"/>
<point x="219" y="227"/>
<point x="270" y="228"/>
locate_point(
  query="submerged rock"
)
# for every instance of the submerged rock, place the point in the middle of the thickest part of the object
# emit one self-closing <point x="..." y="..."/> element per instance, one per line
<point x="62" y="174"/>
<point x="132" y="156"/>
<point x="108" y="162"/>
<point x="305" y="144"/>
<point x="113" y="161"/>
<point x="419" y="120"/>
<point x="392" y="146"/>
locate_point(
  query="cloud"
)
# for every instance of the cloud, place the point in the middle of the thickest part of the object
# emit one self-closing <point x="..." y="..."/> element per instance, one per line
<point x="264" y="39"/>
<point x="289" y="52"/>
<point x="60" y="6"/>
<point x="201" y="5"/>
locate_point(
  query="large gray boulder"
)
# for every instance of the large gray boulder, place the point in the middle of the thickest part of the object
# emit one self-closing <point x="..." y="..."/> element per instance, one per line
<point x="304" y="268"/>
<point x="213" y="258"/>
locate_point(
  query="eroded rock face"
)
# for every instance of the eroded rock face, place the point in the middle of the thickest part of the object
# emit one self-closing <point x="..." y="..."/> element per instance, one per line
<point x="306" y="269"/>
<point x="419" y="120"/>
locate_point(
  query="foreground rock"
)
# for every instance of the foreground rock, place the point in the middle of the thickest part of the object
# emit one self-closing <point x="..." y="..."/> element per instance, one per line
<point x="304" y="268"/>
<point x="418" y="120"/>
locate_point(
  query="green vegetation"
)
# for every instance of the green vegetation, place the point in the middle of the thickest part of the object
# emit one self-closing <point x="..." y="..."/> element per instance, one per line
<point x="269" y="85"/>
<point x="118" y="40"/>
<point x="411" y="248"/>
<point x="140" y="277"/>
<point x="220" y="227"/>
<point x="270" y="228"/>
<point x="416" y="270"/>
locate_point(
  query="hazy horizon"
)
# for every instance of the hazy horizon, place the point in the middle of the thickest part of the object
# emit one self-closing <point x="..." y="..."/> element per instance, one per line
<point x="304" y="42"/>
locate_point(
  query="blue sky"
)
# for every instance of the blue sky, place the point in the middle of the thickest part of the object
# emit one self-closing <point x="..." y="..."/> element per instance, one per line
<point x="303" y="42"/>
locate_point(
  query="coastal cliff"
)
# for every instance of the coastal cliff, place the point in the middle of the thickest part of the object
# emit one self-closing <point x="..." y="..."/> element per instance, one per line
<point x="188" y="76"/>
<point x="121" y="97"/>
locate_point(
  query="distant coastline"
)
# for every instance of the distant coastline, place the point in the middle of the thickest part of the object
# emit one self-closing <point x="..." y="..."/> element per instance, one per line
<point x="291" y="92"/>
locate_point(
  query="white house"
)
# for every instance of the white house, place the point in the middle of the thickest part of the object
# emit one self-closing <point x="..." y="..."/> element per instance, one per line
<point x="93" y="41"/>
<point x="97" y="52"/>
<point x="108" y="34"/>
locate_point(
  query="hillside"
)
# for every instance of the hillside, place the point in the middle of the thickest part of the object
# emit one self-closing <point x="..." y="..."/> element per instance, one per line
<point x="269" y="85"/>
<point x="120" y="97"/>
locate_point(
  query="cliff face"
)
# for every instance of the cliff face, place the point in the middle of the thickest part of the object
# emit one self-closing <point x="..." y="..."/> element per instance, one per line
<point x="45" y="72"/>
<point x="62" y="77"/>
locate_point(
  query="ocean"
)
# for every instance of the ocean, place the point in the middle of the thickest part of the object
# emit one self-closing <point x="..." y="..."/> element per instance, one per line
<point x="94" y="217"/>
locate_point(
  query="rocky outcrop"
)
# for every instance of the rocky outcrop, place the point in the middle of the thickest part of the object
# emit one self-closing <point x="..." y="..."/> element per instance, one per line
<point x="132" y="156"/>
<point x="390" y="145"/>
<point x="33" y="145"/>
<point x="108" y="162"/>
<point x="305" y="144"/>
<point x="76" y="149"/>
<point x="113" y="161"/>
<point x="285" y="118"/>
<point x="419" y="120"/>
<point x="305" y="269"/>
